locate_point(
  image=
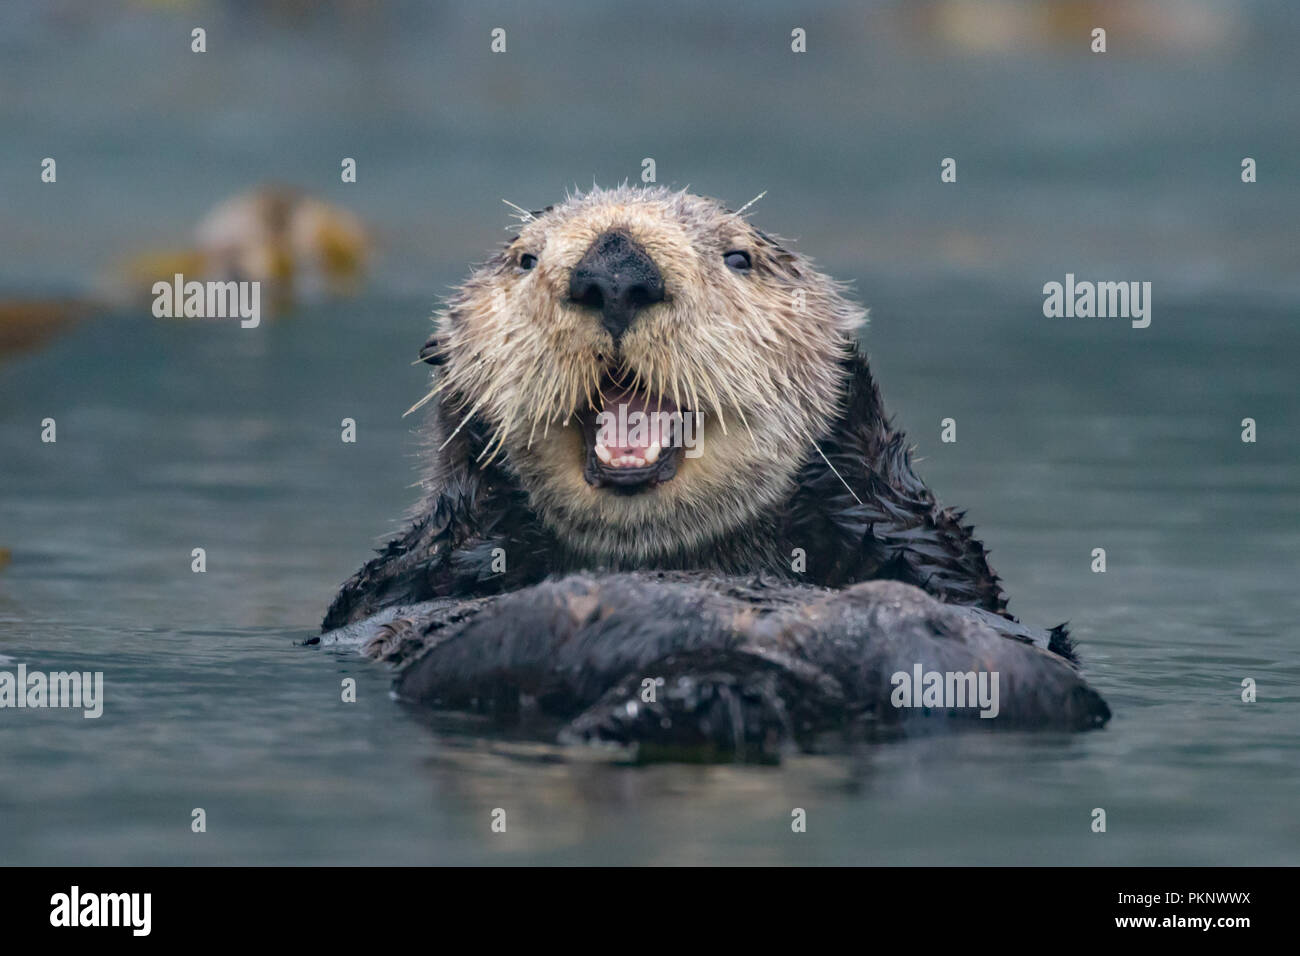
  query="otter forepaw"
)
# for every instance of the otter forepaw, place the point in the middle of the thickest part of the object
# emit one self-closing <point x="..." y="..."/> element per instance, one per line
<point x="707" y="707"/>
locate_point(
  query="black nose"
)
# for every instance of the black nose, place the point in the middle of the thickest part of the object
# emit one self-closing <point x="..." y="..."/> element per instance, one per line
<point x="617" y="277"/>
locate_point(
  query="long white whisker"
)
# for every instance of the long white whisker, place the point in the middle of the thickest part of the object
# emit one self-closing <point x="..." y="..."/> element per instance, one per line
<point x="468" y="416"/>
<point x="836" y="473"/>
<point x="524" y="213"/>
<point x="421" y="403"/>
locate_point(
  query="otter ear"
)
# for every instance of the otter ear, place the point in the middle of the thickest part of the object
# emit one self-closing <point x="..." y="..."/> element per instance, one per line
<point x="429" y="352"/>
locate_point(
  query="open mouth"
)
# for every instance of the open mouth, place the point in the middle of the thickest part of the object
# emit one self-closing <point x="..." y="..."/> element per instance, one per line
<point x="631" y="441"/>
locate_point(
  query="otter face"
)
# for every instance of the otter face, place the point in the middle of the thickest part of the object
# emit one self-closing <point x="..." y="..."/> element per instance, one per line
<point x="652" y="308"/>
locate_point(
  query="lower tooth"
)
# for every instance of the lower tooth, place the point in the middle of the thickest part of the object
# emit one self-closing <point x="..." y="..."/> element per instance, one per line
<point x="603" y="453"/>
<point x="652" y="453"/>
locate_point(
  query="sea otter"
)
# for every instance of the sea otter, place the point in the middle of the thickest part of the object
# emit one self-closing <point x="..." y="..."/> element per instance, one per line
<point x="756" y="589"/>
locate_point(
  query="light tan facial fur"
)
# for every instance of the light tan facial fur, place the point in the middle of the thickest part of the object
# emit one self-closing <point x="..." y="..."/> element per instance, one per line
<point x="758" y="353"/>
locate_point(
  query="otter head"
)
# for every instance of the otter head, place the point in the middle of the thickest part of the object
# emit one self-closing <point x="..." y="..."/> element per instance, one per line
<point x="651" y="367"/>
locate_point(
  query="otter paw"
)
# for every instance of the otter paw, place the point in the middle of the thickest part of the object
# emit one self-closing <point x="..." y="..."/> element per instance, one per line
<point x="711" y="706"/>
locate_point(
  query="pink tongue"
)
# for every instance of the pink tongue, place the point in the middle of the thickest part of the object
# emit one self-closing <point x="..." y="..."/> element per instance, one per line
<point x="640" y="434"/>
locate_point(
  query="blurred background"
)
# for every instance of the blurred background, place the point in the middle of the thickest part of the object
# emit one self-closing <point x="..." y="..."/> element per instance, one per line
<point x="1072" y="434"/>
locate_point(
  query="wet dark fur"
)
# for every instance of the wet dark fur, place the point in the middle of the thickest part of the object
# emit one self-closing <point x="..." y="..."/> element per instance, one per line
<point x="460" y="647"/>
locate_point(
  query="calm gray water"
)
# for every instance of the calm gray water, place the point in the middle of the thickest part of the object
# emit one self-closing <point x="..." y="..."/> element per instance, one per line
<point x="1072" y="434"/>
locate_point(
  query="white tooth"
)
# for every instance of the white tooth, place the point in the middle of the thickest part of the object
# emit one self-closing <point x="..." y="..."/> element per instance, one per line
<point x="603" y="453"/>
<point x="638" y="463"/>
<point x="652" y="453"/>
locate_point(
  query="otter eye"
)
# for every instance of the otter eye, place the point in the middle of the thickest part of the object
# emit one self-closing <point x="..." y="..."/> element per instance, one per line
<point x="527" y="261"/>
<point x="737" y="260"/>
